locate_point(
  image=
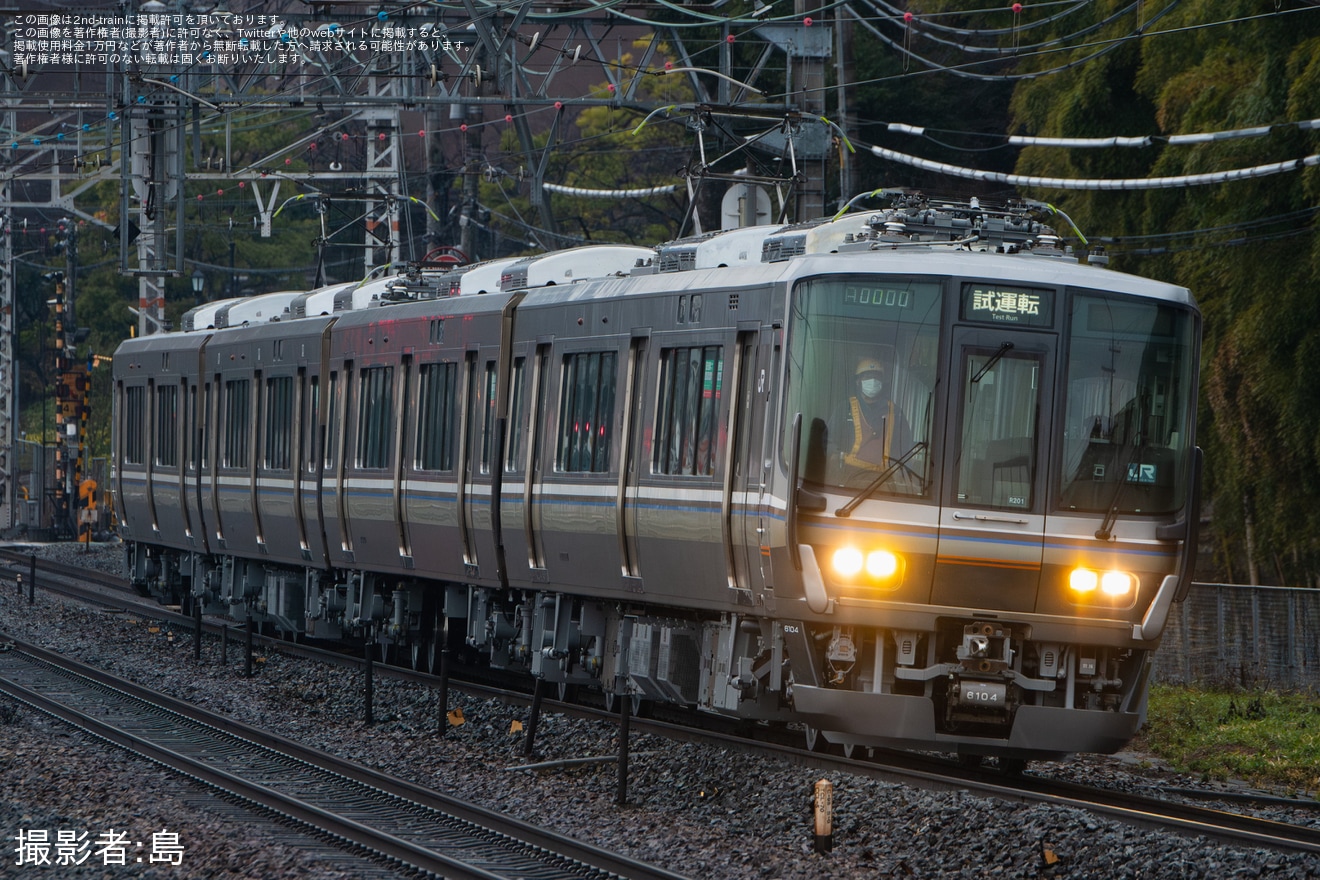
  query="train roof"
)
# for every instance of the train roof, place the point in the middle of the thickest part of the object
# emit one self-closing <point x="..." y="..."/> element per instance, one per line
<point x="716" y="249"/>
<point x="322" y="301"/>
<point x="256" y="309"/>
<point x="912" y="236"/>
<point x="203" y="317"/>
<point x="575" y="264"/>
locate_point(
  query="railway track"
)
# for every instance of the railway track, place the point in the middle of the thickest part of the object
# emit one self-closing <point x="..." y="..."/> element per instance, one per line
<point x="410" y="826"/>
<point x="917" y="770"/>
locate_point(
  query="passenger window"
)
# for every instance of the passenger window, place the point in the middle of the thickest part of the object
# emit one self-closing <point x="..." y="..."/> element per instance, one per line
<point x="586" y="412"/>
<point x="237" y="418"/>
<point x="167" y="426"/>
<point x="435" y="416"/>
<point x="279" y="422"/>
<point x="375" y="417"/>
<point x="687" y="414"/>
<point x="135" y="447"/>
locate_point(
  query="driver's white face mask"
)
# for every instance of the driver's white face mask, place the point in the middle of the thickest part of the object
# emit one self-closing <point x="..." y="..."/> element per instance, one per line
<point x="871" y="387"/>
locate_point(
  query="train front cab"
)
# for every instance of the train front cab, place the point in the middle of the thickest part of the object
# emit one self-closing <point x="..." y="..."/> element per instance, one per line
<point x="995" y="581"/>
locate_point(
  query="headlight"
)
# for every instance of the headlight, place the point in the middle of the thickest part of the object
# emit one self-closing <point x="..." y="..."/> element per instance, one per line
<point x="1083" y="580"/>
<point x="881" y="564"/>
<point x="874" y="567"/>
<point x="1116" y="583"/>
<point x="847" y="561"/>
<point x="1112" y="586"/>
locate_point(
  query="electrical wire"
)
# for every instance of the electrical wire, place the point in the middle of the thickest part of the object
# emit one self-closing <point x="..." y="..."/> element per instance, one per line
<point x="1123" y="184"/>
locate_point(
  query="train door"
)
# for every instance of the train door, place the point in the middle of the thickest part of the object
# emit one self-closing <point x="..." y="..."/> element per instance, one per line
<point x="484" y="421"/>
<point x="338" y="402"/>
<point x="511" y="462"/>
<point x="992" y="513"/>
<point x="683" y="521"/>
<point x="297" y="447"/>
<point x="262" y="393"/>
<point x="399" y="460"/>
<point x="237" y="459"/>
<point x="578" y="520"/>
<point x="199" y="432"/>
<point x="467" y="411"/>
<point x="150" y="460"/>
<point x="308" y="479"/>
<point x="208" y="479"/>
<point x="183" y="431"/>
<point x="538" y="421"/>
<point x="369" y="500"/>
<point x="629" y="468"/>
<point x="193" y="502"/>
<point x="429" y="493"/>
<point x="744" y="473"/>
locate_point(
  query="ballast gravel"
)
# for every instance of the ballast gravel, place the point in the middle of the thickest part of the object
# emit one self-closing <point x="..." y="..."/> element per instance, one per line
<point x="696" y="810"/>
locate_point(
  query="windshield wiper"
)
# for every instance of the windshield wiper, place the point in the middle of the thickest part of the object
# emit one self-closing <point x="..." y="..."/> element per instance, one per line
<point x="879" y="481"/>
<point x="1106" y="530"/>
<point x="994" y="359"/>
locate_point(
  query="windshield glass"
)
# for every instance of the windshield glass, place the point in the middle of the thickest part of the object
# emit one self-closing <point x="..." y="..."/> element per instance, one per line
<point x="1129" y="406"/>
<point x="863" y="351"/>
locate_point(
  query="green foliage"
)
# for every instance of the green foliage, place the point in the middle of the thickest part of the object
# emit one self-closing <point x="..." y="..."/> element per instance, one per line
<point x="611" y="150"/>
<point x="1260" y="417"/>
<point x="1268" y="739"/>
<point x="103" y="297"/>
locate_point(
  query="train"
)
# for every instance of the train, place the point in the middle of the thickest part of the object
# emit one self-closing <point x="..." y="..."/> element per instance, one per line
<point x="917" y="477"/>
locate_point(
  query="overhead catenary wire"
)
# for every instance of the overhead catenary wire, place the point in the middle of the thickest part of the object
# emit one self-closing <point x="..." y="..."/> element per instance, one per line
<point x="1129" y="183"/>
<point x="1118" y="140"/>
<point x="587" y="193"/>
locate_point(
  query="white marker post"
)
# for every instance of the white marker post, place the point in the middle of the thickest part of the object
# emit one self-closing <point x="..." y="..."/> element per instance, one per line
<point x="824" y="816"/>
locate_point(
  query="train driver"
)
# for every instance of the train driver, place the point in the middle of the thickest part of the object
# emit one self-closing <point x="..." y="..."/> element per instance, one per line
<point x="870" y="432"/>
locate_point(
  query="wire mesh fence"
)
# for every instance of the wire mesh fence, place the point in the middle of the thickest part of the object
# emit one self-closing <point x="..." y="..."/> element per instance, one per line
<point x="34" y="513"/>
<point x="1227" y="635"/>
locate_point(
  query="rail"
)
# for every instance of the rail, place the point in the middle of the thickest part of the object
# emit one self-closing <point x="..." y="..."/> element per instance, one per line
<point x="398" y="820"/>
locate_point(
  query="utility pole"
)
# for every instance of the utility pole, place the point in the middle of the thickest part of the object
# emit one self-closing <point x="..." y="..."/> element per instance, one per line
<point x="437" y="181"/>
<point x="382" y="178"/>
<point x="844" y="73"/>
<point x="8" y="377"/>
<point x="472" y="115"/>
<point x="808" y="87"/>
<point x="63" y="410"/>
<point x="8" y="365"/>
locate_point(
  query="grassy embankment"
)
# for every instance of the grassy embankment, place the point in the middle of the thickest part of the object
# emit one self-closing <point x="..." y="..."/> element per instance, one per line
<point x="1271" y="740"/>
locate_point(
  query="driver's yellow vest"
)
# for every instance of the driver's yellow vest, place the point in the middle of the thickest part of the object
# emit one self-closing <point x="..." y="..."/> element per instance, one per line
<point x="869" y="449"/>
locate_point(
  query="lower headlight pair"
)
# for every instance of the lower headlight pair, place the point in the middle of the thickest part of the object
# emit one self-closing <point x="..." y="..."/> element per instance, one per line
<point x="879" y="564"/>
<point x="1112" y="583"/>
